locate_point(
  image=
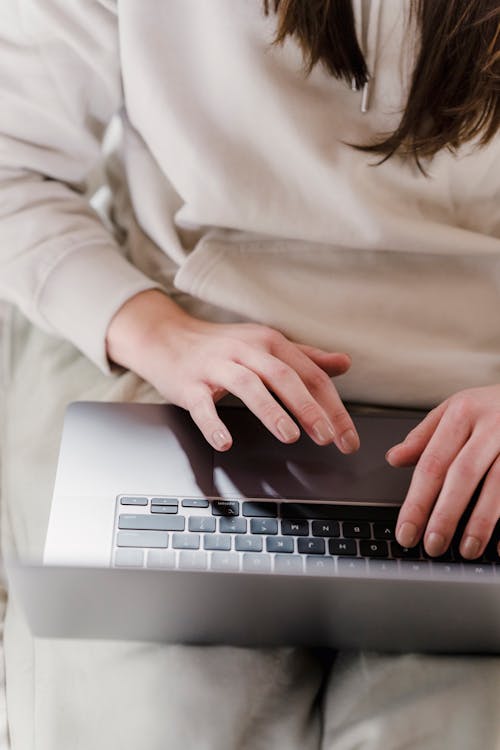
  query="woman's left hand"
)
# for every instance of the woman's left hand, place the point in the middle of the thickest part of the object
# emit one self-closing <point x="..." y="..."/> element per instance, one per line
<point x="453" y="448"/>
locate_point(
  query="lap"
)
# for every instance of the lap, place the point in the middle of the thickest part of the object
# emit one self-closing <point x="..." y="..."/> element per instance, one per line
<point x="100" y="694"/>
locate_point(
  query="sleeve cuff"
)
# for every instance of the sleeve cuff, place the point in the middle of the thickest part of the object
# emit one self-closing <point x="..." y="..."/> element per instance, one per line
<point x="83" y="292"/>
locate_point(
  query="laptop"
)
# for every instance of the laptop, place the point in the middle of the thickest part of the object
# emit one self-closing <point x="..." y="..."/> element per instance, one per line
<point x="154" y="536"/>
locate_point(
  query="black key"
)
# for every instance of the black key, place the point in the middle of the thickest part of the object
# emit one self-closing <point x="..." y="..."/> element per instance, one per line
<point x="406" y="553"/>
<point x="201" y="523"/>
<point x="133" y="501"/>
<point x="311" y="546"/>
<point x="325" y="528"/>
<point x="232" y="525"/>
<point x="165" y="501"/>
<point x="279" y="544"/>
<point x="167" y="509"/>
<point x="343" y="547"/>
<point x="384" y="531"/>
<point x="295" y="528"/>
<point x="260" y="510"/>
<point x="356" y="530"/>
<point x="374" y="549"/>
<point x="225" y="508"/>
<point x="247" y="543"/>
<point x="197" y="502"/>
<point x="491" y="554"/>
<point x="263" y="526"/>
<point x="326" y="511"/>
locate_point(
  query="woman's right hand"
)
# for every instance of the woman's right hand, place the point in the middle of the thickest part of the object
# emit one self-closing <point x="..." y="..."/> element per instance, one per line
<point x="193" y="363"/>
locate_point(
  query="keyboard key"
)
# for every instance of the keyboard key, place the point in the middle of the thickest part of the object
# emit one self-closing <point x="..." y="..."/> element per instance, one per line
<point x="201" y="523"/>
<point x="133" y="501"/>
<point x="152" y="523"/>
<point x="479" y="570"/>
<point x="288" y="564"/>
<point x="374" y="549"/>
<point x="384" y="531"/>
<point x="414" y="568"/>
<point x="225" y="561"/>
<point x="247" y="543"/>
<point x="351" y="565"/>
<point x="217" y="541"/>
<point x="168" y="509"/>
<point x="161" y="558"/>
<point x="295" y="528"/>
<point x="325" y="528"/>
<point x="356" y="530"/>
<point x="260" y="510"/>
<point x="491" y="554"/>
<point x="255" y="563"/>
<point x="383" y="567"/>
<point x="232" y="525"/>
<point x="189" y="560"/>
<point x="225" y="508"/>
<point x="279" y="544"/>
<point x="356" y="512"/>
<point x="129" y="558"/>
<point x="166" y="501"/>
<point x="186" y="541"/>
<point x="445" y="570"/>
<point x="197" y="502"/>
<point x="320" y="565"/>
<point x="406" y="553"/>
<point x="142" y="539"/>
<point x="264" y="526"/>
<point x="342" y="547"/>
<point x="311" y="546"/>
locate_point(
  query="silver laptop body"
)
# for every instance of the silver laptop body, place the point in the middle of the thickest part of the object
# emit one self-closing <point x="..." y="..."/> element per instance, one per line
<point x="154" y="536"/>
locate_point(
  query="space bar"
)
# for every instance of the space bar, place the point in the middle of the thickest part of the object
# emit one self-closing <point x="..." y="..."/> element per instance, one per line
<point x="356" y="512"/>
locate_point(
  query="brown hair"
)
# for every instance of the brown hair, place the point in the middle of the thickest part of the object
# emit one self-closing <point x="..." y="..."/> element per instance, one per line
<point x="454" y="95"/>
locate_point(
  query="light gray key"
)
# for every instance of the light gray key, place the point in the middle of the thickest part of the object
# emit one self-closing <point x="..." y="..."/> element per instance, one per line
<point x="190" y="560"/>
<point x="228" y="525"/>
<point x="201" y="523"/>
<point x="133" y="501"/>
<point x="225" y="561"/>
<point x="445" y="570"/>
<point x="165" y="501"/>
<point x="414" y="569"/>
<point x="217" y="542"/>
<point x="152" y="523"/>
<point x="186" y="541"/>
<point x="478" y="570"/>
<point x="319" y="566"/>
<point x="244" y="543"/>
<point x="351" y="566"/>
<point x="161" y="558"/>
<point x="142" y="539"/>
<point x="129" y="558"/>
<point x="383" y="567"/>
<point x="288" y="564"/>
<point x="255" y="563"/>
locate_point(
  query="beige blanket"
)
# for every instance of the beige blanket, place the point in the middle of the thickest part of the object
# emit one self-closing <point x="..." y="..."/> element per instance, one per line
<point x="67" y="695"/>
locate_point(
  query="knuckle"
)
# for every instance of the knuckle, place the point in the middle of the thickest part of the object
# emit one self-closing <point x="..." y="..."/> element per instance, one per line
<point x="318" y="379"/>
<point x="431" y="466"/>
<point x="268" y="337"/>
<point x="280" y="371"/>
<point x="242" y="380"/>
<point x="466" y="468"/>
<point x="442" y="520"/>
<point x="308" y="412"/>
<point x="415" y="511"/>
<point x="341" y="420"/>
<point x="481" y="525"/>
<point x="462" y="406"/>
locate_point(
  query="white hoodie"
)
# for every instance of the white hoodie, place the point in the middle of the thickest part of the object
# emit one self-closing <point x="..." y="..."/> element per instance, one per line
<point x="239" y="191"/>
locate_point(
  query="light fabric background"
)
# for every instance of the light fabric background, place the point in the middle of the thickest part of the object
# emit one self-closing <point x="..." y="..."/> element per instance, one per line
<point x="4" y="744"/>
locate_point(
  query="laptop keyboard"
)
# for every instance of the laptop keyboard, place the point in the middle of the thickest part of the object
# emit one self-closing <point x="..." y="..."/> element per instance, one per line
<point x="260" y="536"/>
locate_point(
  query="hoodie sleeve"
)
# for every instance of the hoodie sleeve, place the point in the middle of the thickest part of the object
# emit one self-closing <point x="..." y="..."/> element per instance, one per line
<point x="59" y="88"/>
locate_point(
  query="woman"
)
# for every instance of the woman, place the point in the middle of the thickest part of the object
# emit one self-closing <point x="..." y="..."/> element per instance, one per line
<point x="264" y="221"/>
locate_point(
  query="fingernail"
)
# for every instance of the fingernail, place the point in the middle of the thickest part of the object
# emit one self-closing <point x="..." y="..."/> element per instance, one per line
<point x="435" y="544"/>
<point x="220" y="439"/>
<point x="407" y="534"/>
<point x="470" y="547"/>
<point x="349" y="441"/>
<point x="288" y="430"/>
<point x="323" y="431"/>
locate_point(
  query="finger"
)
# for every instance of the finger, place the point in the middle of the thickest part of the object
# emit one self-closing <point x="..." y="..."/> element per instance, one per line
<point x="428" y="478"/>
<point x="485" y="516"/>
<point x="248" y="386"/>
<point x="204" y="414"/>
<point x="321" y="388"/>
<point x="407" y="452"/>
<point x="334" y="363"/>
<point x="462" y="478"/>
